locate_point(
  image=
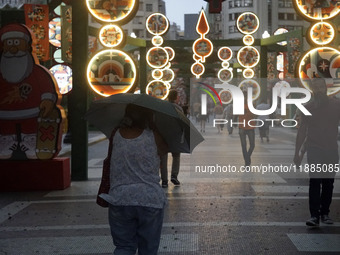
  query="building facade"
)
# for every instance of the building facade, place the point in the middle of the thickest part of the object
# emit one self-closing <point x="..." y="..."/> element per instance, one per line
<point x="273" y="14"/>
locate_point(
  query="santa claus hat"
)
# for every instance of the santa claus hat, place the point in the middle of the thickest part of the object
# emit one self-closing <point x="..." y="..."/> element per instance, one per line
<point x="15" y="31"/>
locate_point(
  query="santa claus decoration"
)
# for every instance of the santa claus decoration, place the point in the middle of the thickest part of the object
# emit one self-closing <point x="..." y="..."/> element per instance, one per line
<point x="30" y="114"/>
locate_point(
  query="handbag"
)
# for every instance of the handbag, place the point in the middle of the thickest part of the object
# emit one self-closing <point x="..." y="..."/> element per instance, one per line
<point x="105" y="181"/>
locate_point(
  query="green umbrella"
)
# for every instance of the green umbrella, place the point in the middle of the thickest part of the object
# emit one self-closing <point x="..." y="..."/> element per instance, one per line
<point x="176" y="129"/>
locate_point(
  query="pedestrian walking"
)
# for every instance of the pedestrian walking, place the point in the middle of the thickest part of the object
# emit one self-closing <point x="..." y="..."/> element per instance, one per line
<point x="135" y="199"/>
<point x="245" y="130"/>
<point x="228" y="115"/>
<point x="319" y="133"/>
<point x="264" y="128"/>
<point x="176" y="157"/>
<point x="218" y="114"/>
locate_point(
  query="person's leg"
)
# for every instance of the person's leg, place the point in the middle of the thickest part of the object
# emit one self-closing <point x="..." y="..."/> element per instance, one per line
<point x="243" y="140"/>
<point x="123" y="226"/>
<point x="150" y="222"/>
<point x="251" y="137"/>
<point x="164" y="169"/>
<point x="326" y="195"/>
<point x="314" y="197"/>
<point x="176" y="160"/>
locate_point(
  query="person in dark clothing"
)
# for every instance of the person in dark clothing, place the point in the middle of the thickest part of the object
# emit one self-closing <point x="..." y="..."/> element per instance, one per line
<point x="319" y="133"/>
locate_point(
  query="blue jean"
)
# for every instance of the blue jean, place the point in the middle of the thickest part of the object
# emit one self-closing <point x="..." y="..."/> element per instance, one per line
<point x="135" y="227"/>
<point x="243" y="137"/>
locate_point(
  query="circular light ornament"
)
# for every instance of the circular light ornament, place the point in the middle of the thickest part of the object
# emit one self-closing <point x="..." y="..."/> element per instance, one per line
<point x="63" y="76"/>
<point x="157" y="57"/>
<point x="226" y="96"/>
<point x="55" y="32"/>
<point x="248" y="56"/>
<point x="113" y="11"/>
<point x="202" y="48"/>
<point x="171" y="52"/>
<point x="111" y="36"/>
<point x="280" y="85"/>
<point x="322" y="62"/>
<point x="157" y="24"/>
<point x="158" y="89"/>
<point x="248" y="73"/>
<point x="197" y="69"/>
<point x="225" y="75"/>
<point x="225" y="65"/>
<point x="248" y="23"/>
<point x="157" y="74"/>
<point x="322" y="33"/>
<point x="157" y="40"/>
<point x="248" y="40"/>
<point x="317" y="10"/>
<point x="281" y="31"/>
<point x="57" y="56"/>
<point x="244" y="85"/>
<point x="111" y="72"/>
<point x="168" y="75"/>
<point x="225" y="53"/>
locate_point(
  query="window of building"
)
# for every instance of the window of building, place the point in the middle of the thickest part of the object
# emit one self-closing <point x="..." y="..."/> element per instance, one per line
<point x="285" y="3"/>
<point x="231" y="18"/>
<point x="232" y="29"/>
<point x="248" y="3"/>
<point x="281" y="16"/>
<point x="231" y="4"/>
<point x="148" y="8"/>
<point x="290" y="16"/>
<point x="238" y="3"/>
<point x="141" y="6"/>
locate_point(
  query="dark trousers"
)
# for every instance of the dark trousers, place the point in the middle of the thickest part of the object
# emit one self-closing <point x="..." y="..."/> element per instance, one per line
<point x="321" y="183"/>
<point x="247" y="151"/>
<point x="176" y="158"/>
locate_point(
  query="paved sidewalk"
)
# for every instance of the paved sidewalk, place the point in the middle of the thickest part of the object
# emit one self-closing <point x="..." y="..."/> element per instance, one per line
<point x="225" y="213"/>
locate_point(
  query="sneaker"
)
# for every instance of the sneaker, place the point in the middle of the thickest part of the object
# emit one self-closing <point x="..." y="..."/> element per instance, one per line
<point x="313" y="222"/>
<point x="175" y="181"/>
<point x="164" y="184"/>
<point x="325" y="219"/>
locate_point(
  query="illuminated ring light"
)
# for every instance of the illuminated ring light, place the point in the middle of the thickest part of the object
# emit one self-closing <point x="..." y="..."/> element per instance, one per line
<point x="108" y="12"/>
<point x="248" y="56"/>
<point x="202" y="48"/>
<point x="157" y="24"/>
<point x="281" y="31"/>
<point x="321" y="33"/>
<point x="225" y="65"/>
<point x="157" y="57"/>
<point x="111" y="36"/>
<point x="171" y="52"/>
<point x="157" y="74"/>
<point x="157" y="40"/>
<point x="168" y="75"/>
<point x="63" y="76"/>
<point x="256" y="87"/>
<point x="328" y="64"/>
<point x="313" y="12"/>
<point x="226" y="96"/>
<point x="54" y="32"/>
<point x="225" y="75"/>
<point x="281" y="84"/>
<point x="197" y="69"/>
<point x="158" y="89"/>
<point x="111" y="72"/>
<point x="248" y="73"/>
<point x="248" y="40"/>
<point x="225" y="54"/>
<point x="248" y="23"/>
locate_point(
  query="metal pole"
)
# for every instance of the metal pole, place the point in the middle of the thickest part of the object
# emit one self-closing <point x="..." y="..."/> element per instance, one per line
<point x="78" y="103"/>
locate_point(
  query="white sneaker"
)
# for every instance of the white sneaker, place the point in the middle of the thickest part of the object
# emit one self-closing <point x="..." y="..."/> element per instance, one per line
<point x="8" y="144"/>
<point x="28" y="145"/>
